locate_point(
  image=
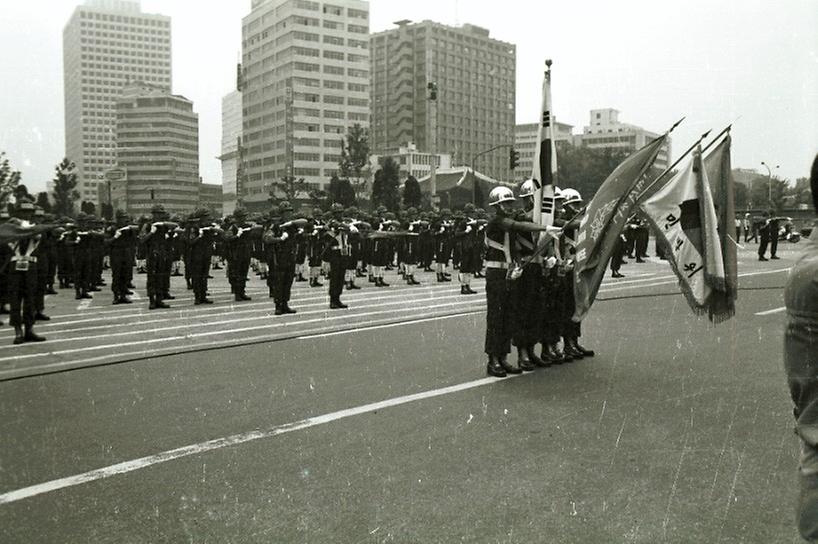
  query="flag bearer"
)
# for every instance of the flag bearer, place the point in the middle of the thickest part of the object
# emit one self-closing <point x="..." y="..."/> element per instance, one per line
<point x="499" y="256"/>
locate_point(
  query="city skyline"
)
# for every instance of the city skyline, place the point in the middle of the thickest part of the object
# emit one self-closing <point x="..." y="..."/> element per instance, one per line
<point x="747" y="63"/>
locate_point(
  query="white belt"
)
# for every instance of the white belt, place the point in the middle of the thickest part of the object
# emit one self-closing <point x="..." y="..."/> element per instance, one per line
<point x="24" y="258"/>
<point x="496" y="264"/>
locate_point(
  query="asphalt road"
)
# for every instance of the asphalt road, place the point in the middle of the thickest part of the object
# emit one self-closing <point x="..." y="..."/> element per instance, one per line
<point x="377" y="424"/>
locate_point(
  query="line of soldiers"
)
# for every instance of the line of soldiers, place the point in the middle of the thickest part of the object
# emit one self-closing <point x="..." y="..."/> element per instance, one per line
<point x="529" y="282"/>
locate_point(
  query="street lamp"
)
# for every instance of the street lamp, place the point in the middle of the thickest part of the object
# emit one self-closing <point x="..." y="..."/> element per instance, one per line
<point x="769" y="180"/>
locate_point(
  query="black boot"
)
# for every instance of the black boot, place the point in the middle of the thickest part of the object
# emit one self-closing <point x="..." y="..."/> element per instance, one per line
<point x="570" y="350"/>
<point x="40" y="316"/>
<point x="582" y="350"/>
<point x="337" y="305"/>
<point x="412" y="280"/>
<point x="18" y="335"/>
<point x="31" y="336"/>
<point x="279" y="309"/>
<point x="152" y="303"/>
<point x="494" y="368"/>
<point x="352" y="285"/>
<point x="287" y="309"/>
<point x="508" y="367"/>
<point x="523" y="361"/>
<point x="537" y="360"/>
<point x="371" y="278"/>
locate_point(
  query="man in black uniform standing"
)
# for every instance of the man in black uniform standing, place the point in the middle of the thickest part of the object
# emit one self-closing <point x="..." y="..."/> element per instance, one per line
<point x="239" y="243"/>
<point x="280" y="241"/>
<point x="121" y="239"/>
<point x="21" y="276"/>
<point x="155" y="237"/>
<point x="200" y="240"/>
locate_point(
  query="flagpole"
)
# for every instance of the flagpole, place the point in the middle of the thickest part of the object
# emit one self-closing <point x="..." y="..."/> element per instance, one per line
<point x="672" y="166"/>
<point x="716" y="139"/>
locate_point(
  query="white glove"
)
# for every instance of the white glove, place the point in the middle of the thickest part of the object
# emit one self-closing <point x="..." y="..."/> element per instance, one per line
<point x="550" y="262"/>
<point x="154" y="228"/>
<point x="284" y="236"/>
<point x="353" y="229"/>
<point x="468" y="229"/>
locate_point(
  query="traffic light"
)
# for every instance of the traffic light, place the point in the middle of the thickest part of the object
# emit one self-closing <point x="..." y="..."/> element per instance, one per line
<point x="513" y="158"/>
<point x="432" y="86"/>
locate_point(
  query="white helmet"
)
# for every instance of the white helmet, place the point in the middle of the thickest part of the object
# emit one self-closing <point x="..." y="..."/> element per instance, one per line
<point x="571" y="196"/>
<point x="500" y="194"/>
<point x="528" y="188"/>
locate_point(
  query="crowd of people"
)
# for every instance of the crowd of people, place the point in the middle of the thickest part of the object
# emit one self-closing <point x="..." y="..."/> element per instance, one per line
<point x="344" y="247"/>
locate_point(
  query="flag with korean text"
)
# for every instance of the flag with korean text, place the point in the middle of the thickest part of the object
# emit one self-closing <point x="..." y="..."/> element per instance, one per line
<point x="684" y="220"/>
<point x="604" y="219"/>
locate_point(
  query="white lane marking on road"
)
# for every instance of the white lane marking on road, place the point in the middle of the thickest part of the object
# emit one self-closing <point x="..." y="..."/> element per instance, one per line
<point x="84" y="304"/>
<point x="773" y="311"/>
<point x="233" y="440"/>
<point x="386" y="326"/>
<point x="319" y="295"/>
<point x="359" y="327"/>
<point x="175" y="316"/>
<point x="746" y="274"/>
<point x="201" y="324"/>
<point x="221" y="332"/>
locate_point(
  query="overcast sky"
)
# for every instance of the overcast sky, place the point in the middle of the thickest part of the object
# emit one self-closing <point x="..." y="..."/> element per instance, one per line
<point x="751" y="62"/>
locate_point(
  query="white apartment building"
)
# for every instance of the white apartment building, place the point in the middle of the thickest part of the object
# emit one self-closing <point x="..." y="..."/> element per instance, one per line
<point x="413" y="162"/>
<point x="106" y="44"/>
<point x="606" y="131"/>
<point x="305" y="81"/>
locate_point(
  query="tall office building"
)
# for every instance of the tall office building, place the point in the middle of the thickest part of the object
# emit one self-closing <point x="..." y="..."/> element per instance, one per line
<point x="106" y="44"/>
<point x="475" y="77"/>
<point x="157" y="148"/>
<point x="231" y="138"/>
<point x="305" y="81"/>
<point x="526" y="142"/>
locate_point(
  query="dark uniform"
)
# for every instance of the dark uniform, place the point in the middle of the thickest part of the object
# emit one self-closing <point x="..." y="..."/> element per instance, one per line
<point x="238" y="240"/>
<point x="156" y="239"/>
<point x="336" y="252"/>
<point x="121" y="240"/>
<point x="21" y="276"/>
<point x="281" y="249"/>
<point x="200" y="241"/>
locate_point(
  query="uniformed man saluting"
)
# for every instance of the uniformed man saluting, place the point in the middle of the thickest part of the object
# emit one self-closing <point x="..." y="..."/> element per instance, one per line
<point x="21" y="274"/>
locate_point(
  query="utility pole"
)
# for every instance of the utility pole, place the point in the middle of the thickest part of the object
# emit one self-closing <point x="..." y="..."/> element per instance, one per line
<point x="769" y="180"/>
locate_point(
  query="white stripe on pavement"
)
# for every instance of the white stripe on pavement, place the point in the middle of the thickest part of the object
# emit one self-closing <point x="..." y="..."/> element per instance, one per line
<point x="359" y="327"/>
<point x="174" y="314"/>
<point x="221" y="332"/>
<point x="773" y="311"/>
<point x="387" y="326"/>
<point x="233" y="440"/>
<point x="264" y="314"/>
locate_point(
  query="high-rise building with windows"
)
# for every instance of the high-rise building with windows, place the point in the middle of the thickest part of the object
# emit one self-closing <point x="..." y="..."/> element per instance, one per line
<point x="305" y="81"/>
<point x="106" y="44"/>
<point x="157" y="148"/>
<point x="526" y="142"/>
<point x="475" y="78"/>
<point x="231" y="138"/>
